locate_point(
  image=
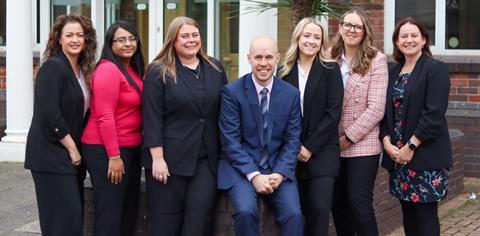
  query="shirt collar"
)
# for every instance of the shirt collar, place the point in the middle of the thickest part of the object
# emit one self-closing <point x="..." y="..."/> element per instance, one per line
<point x="259" y="87"/>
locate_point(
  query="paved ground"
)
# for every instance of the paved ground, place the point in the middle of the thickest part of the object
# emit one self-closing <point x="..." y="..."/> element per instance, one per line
<point x="18" y="209"/>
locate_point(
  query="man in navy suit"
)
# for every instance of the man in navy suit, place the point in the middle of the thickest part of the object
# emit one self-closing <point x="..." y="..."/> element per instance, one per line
<point x="260" y="133"/>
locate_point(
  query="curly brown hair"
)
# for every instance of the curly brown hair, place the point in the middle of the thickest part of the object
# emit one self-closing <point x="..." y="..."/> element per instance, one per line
<point x="87" y="57"/>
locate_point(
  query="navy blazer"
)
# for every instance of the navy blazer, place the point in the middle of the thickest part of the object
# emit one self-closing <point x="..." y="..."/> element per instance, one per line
<point x="425" y="104"/>
<point x="174" y="118"/>
<point x="241" y="130"/>
<point x="57" y="111"/>
<point x="322" y="110"/>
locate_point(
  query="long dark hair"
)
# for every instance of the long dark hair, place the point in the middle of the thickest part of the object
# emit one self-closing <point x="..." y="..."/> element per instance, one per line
<point x="137" y="62"/>
<point x="397" y="54"/>
<point x="86" y="60"/>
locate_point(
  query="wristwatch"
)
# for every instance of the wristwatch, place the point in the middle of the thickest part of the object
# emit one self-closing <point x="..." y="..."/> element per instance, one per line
<point x="411" y="145"/>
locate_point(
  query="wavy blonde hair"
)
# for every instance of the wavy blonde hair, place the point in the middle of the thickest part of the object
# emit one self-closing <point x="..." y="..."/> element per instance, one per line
<point x="166" y="57"/>
<point x="293" y="51"/>
<point x="87" y="57"/>
<point x="366" y="52"/>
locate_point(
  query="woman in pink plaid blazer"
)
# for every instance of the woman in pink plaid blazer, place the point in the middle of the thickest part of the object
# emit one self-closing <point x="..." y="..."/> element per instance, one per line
<point x="365" y="77"/>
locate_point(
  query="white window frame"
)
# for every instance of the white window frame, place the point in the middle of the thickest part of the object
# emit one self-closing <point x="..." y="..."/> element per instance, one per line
<point x="440" y="22"/>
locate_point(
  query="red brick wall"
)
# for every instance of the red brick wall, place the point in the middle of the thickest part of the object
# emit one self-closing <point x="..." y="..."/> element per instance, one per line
<point x="465" y="87"/>
<point x="3" y="77"/>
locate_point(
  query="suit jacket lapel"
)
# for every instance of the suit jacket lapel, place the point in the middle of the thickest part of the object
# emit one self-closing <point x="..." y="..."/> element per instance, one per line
<point x="75" y="83"/>
<point x="275" y="97"/>
<point x="208" y="77"/>
<point x="413" y="78"/>
<point x="314" y="77"/>
<point x="252" y="97"/>
<point x="350" y="85"/>
<point x="181" y="76"/>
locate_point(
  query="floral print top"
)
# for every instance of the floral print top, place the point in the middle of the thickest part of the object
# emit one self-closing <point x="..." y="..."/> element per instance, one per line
<point x="407" y="184"/>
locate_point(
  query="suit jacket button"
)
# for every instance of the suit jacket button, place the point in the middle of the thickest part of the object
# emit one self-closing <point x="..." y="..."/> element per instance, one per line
<point x="356" y="100"/>
<point x="201" y="119"/>
<point x="56" y="129"/>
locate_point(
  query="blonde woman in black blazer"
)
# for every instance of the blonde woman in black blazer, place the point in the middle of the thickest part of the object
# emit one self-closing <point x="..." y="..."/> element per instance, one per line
<point x="308" y="68"/>
<point x="414" y="130"/>
<point x="60" y="106"/>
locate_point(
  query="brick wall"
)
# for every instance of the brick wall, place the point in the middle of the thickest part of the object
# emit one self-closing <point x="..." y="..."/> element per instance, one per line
<point x="3" y="84"/>
<point x="387" y="208"/>
<point x="465" y="87"/>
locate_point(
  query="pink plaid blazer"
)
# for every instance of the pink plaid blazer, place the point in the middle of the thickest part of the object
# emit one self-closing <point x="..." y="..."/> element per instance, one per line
<point x="363" y="108"/>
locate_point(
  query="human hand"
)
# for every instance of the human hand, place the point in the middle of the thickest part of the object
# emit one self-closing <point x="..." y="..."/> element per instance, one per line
<point x="275" y="180"/>
<point x="160" y="170"/>
<point x="405" y="155"/>
<point x="261" y="183"/>
<point x="304" y="154"/>
<point x="344" y="143"/>
<point x="115" y="169"/>
<point x="75" y="157"/>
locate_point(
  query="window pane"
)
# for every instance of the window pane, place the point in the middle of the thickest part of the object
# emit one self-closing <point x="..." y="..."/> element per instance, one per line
<point x="422" y="10"/>
<point x="463" y="24"/>
<point x="3" y="20"/>
<point x="133" y="11"/>
<point x="196" y="9"/>
<point x="65" y="7"/>
<point x="227" y="36"/>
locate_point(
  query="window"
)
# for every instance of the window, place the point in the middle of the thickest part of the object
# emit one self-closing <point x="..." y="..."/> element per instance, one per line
<point x="65" y="7"/>
<point x="454" y="25"/>
<point x="226" y="31"/>
<point x="463" y="24"/>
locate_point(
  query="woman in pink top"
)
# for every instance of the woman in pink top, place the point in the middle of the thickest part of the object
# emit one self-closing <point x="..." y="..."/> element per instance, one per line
<point x="112" y="137"/>
<point x="365" y="78"/>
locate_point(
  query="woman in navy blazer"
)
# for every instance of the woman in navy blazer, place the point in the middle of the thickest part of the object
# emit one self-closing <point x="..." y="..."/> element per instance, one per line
<point x="321" y="92"/>
<point x="414" y="130"/>
<point x="181" y="102"/>
<point x="60" y="105"/>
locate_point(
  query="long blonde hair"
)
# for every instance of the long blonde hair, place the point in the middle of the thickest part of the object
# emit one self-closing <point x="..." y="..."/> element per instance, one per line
<point x="293" y="51"/>
<point x="365" y="53"/>
<point x="166" y="57"/>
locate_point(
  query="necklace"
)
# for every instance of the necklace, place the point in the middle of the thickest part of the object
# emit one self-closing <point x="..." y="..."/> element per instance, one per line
<point x="195" y="74"/>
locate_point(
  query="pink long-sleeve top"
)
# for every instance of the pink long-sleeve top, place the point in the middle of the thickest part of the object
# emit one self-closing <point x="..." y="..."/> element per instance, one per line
<point x="116" y="115"/>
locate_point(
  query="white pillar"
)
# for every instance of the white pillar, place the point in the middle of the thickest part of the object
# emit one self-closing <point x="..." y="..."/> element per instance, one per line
<point x="253" y="24"/>
<point x="19" y="64"/>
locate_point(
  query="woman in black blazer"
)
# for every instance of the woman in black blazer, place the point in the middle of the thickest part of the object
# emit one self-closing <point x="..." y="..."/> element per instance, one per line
<point x="181" y="101"/>
<point x="414" y="130"/>
<point x="60" y="105"/>
<point x="308" y="68"/>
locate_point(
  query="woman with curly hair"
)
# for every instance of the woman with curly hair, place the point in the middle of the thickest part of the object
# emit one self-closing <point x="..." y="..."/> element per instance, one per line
<point x="113" y="135"/>
<point x="365" y="77"/>
<point x="61" y="102"/>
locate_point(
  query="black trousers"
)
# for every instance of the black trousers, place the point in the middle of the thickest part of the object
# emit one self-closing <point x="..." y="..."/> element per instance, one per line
<point x="60" y="203"/>
<point x="184" y="206"/>
<point x="420" y="218"/>
<point x="116" y="205"/>
<point x="352" y="209"/>
<point x="316" y="200"/>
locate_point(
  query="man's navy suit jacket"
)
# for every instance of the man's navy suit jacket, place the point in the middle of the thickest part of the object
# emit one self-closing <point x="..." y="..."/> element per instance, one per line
<point x="241" y="130"/>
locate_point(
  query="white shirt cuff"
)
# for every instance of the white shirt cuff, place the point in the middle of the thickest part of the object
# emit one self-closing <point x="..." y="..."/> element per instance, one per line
<point x="251" y="175"/>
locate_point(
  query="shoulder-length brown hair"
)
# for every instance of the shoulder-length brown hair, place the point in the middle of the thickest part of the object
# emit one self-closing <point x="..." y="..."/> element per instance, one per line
<point x="366" y="52"/>
<point x="86" y="60"/>
<point x="397" y="54"/>
<point x="293" y="52"/>
<point x="166" y="57"/>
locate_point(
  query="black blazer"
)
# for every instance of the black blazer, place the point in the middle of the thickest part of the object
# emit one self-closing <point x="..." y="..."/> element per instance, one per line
<point x="174" y="118"/>
<point x="425" y="103"/>
<point x="57" y="111"/>
<point x="322" y="110"/>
